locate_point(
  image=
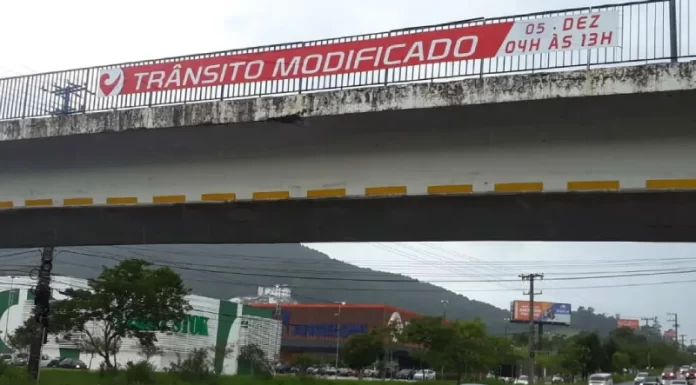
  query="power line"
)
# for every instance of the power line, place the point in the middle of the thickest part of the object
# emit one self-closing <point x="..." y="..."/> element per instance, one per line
<point x="405" y="290"/>
<point x="186" y="266"/>
<point x="432" y="263"/>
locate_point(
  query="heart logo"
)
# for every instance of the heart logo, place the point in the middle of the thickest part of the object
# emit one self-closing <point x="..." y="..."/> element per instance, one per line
<point x="110" y="82"/>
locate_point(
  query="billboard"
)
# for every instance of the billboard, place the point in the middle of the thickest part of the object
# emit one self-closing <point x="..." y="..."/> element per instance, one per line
<point x="548" y="313"/>
<point x="449" y="45"/>
<point x="670" y="335"/>
<point x="628" y="323"/>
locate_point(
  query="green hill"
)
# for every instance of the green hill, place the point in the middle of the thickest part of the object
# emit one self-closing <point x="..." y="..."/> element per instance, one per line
<point x="227" y="271"/>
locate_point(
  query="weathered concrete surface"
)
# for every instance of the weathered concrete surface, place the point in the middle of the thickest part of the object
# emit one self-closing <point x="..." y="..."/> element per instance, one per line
<point x="501" y="89"/>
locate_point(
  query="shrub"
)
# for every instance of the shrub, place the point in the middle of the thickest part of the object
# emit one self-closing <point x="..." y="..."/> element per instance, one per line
<point x="141" y="373"/>
<point x="195" y="367"/>
<point x="10" y="375"/>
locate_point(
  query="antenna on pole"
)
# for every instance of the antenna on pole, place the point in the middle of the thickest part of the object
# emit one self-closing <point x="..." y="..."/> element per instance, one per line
<point x="67" y="94"/>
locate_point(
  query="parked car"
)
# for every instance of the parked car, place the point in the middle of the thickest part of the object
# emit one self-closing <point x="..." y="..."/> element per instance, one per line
<point x="425" y="374"/>
<point x="71" y="363"/>
<point x="405" y="374"/>
<point x="53" y="363"/>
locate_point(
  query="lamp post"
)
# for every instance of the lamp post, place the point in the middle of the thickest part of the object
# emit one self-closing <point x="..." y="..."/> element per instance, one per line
<point x="444" y="303"/>
<point x="338" y="333"/>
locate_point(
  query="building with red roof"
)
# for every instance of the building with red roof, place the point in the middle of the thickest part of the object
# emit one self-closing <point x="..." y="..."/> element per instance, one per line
<point x="318" y="328"/>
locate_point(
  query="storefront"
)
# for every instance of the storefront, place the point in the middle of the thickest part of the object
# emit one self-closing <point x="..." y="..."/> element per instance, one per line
<point x="213" y="324"/>
<point x="317" y="328"/>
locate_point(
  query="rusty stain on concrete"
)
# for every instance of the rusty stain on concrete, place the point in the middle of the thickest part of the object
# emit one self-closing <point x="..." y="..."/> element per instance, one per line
<point x="499" y="89"/>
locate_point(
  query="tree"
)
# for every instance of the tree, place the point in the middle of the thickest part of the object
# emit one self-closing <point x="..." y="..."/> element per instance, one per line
<point x="571" y="359"/>
<point x="610" y="347"/>
<point x="20" y="340"/>
<point x="501" y="351"/>
<point x="428" y="334"/>
<point x="468" y="347"/>
<point x="620" y="361"/>
<point x="303" y="361"/>
<point x="362" y="350"/>
<point x="148" y="351"/>
<point x="593" y="356"/>
<point x="551" y="362"/>
<point x="255" y="357"/>
<point x="130" y="300"/>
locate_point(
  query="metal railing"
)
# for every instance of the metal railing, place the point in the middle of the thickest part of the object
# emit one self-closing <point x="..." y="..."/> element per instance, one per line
<point x="650" y="31"/>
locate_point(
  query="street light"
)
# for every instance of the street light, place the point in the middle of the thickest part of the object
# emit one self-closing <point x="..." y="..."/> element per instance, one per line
<point x="444" y="303"/>
<point x="338" y="333"/>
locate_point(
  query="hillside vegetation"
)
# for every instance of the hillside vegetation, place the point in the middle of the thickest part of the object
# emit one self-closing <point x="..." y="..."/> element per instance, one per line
<point x="227" y="271"/>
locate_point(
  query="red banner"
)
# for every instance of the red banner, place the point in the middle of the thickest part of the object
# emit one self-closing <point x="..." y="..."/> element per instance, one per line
<point x="447" y="45"/>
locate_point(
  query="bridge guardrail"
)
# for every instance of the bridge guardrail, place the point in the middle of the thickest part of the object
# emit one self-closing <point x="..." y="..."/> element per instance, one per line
<point x="650" y="31"/>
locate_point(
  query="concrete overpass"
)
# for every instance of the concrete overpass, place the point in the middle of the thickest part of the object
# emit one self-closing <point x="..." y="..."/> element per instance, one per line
<point x="602" y="154"/>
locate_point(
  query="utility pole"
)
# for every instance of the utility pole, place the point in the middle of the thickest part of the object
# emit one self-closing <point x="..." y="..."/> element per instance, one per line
<point x="646" y="319"/>
<point x="532" y="340"/>
<point x="42" y="310"/>
<point x="650" y="328"/>
<point x="683" y="343"/>
<point x="675" y="319"/>
<point x="444" y="320"/>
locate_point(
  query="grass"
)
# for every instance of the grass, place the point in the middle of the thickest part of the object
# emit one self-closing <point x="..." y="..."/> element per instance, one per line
<point x="79" y="377"/>
<point x="16" y="376"/>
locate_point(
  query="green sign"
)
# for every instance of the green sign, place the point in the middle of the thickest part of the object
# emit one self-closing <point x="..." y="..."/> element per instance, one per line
<point x="193" y="324"/>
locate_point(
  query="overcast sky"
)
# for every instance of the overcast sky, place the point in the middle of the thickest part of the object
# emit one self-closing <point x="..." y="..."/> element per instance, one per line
<point x="43" y="35"/>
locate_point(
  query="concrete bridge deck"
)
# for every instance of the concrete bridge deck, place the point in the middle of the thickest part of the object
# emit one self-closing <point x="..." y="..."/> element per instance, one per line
<point x="586" y="155"/>
<point x="613" y="129"/>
